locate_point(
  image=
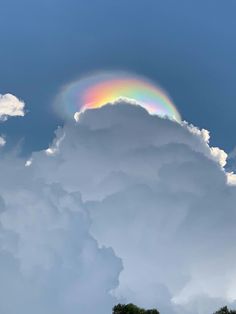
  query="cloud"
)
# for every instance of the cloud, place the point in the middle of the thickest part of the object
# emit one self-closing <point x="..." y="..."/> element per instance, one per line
<point x="49" y="262"/>
<point x="217" y="154"/>
<point x="231" y="178"/>
<point x="50" y="151"/>
<point x="2" y="141"/>
<point x="10" y="106"/>
<point x="120" y="186"/>
<point x="158" y="194"/>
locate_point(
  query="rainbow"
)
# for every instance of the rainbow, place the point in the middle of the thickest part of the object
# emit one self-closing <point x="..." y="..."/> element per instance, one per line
<point x="108" y="88"/>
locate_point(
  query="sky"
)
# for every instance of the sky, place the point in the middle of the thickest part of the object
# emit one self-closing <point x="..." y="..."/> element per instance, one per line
<point x="134" y="199"/>
<point x="187" y="47"/>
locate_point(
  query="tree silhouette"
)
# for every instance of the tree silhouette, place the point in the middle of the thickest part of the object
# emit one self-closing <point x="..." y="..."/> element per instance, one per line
<point x="132" y="309"/>
<point x="225" y="310"/>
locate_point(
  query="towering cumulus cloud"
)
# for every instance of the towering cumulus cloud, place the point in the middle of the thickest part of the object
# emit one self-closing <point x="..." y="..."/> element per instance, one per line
<point x="49" y="262"/>
<point x="123" y="206"/>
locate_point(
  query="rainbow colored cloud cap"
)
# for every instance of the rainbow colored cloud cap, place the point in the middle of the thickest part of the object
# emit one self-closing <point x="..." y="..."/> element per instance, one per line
<point x="98" y="90"/>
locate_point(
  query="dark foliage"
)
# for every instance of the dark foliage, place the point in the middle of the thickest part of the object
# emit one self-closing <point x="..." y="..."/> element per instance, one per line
<point x="132" y="309"/>
<point x="225" y="310"/>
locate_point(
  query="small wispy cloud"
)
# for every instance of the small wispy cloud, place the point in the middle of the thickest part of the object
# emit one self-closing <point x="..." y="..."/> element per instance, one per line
<point x="2" y="141"/>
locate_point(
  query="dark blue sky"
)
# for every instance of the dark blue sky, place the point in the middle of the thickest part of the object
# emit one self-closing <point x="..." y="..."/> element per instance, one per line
<point x="189" y="47"/>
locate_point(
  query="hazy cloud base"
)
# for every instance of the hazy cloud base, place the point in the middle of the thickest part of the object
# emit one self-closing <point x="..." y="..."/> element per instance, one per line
<point x="151" y="192"/>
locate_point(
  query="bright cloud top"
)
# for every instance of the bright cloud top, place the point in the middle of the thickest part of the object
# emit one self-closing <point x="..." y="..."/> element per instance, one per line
<point x="10" y="106"/>
<point x="98" y="90"/>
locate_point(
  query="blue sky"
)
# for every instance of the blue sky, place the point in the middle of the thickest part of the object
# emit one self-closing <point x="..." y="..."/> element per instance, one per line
<point x="108" y="203"/>
<point x="188" y="47"/>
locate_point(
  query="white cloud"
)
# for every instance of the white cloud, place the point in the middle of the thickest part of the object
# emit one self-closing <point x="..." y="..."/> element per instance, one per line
<point x="158" y="195"/>
<point x="49" y="262"/>
<point x="28" y="162"/>
<point x="217" y="154"/>
<point x="231" y="178"/>
<point x="2" y="141"/>
<point x="76" y="116"/>
<point x="10" y="106"/>
<point x="205" y="134"/>
<point x="52" y="150"/>
<point x="151" y="189"/>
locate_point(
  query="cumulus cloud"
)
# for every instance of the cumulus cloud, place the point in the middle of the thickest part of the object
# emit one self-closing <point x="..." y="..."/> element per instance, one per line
<point x="10" y="106"/>
<point x="119" y="186"/>
<point x="158" y="194"/>
<point x="217" y="154"/>
<point x="49" y="262"/>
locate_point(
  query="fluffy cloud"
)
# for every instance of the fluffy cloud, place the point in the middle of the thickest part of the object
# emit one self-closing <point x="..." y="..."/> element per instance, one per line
<point x="158" y="195"/>
<point x="218" y="154"/>
<point x="49" y="262"/>
<point x="151" y="189"/>
<point x="10" y="106"/>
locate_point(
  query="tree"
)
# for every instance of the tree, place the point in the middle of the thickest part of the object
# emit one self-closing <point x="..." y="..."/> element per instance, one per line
<point x="132" y="309"/>
<point x="225" y="310"/>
